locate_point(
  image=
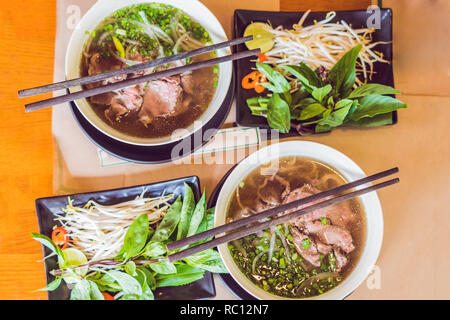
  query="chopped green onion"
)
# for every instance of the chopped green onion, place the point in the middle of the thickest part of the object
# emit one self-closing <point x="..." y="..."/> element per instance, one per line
<point x="306" y="243"/>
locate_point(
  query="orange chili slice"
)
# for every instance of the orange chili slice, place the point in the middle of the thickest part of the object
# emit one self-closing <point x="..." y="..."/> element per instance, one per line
<point x="248" y="82"/>
<point x="60" y="237"/>
<point x="107" y="296"/>
<point x="253" y="81"/>
<point x="262" y="57"/>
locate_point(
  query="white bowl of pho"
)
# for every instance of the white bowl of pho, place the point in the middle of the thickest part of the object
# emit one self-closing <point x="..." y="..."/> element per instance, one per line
<point x="325" y="254"/>
<point x="115" y="34"/>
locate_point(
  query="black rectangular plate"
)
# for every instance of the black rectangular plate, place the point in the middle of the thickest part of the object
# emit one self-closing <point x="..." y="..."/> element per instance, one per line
<point x="357" y="18"/>
<point x="48" y="208"/>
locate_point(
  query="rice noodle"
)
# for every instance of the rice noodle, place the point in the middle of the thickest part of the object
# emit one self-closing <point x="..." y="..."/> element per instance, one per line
<point x="99" y="230"/>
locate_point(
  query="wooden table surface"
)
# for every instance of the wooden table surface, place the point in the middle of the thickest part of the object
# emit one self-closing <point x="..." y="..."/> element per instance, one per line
<point x="27" y="56"/>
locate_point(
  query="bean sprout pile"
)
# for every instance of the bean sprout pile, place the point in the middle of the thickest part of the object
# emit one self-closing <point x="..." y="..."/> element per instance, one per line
<point x="99" y="231"/>
<point x="323" y="44"/>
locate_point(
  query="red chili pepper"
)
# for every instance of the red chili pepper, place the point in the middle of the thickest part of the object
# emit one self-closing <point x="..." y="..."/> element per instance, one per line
<point x="60" y="237"/>
<point x="248" y="82"/>
<point x="253" y="81"/>
<point x="258" y="87"/>
<point x="262" y="57"/>
<point x="107" y="296"/>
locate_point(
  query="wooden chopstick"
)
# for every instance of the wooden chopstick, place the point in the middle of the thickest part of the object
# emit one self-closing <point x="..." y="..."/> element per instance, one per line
<point x="274" y="222"/>
<point x="141" y="66"/>
<point x="133" y="81"/>
<point x="271" y="212"/>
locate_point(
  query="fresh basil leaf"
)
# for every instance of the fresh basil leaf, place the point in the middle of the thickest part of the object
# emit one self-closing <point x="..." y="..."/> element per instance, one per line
<point x="185" y="274"/>
<point x="186" y="212"/>
<point x="326" y="114"/>
<point x="312" y="111"/>
<point x="343" y="103"/>
<point x="279" y="115"/>
<point x="81" y="291"/>
<point x="376" y="121"/>
<point x="154" y="249"/>
<point x="303" y="103"/>
<point x="94" y="291"/>
<point x="278" y="82"/>
<point x="298" y="74"/>
<point x="163" y="267"/>
<point x="47" y="242"/>
<point x="197" y="216"/>
<point x="343" y="74"/>
<point x="375" y="104"/>
<point x="147" y="293"/>
<point x="299" y="95"/>
<point x="130" y="268"/>
<point x="169" y="222"/>
<point x="335" y="119"/>
<point x="129" y="297"/>
<point x="372" y="88"/>
<point x="206" y="224"/>
<point x="128" y="284"/>
<point x="51" y="286"/>
<point x="208" y="260"/>
<point x="151" y="281"/>
<point x="136" y="237"/>
<point x="330" y="101"/>
<point x="320" y="93"/>
<point x="208" y="221"/>
<point x="106" y="283"/>
<point x="310" y="74"/>
<point x="258" y="105"/>
<point x="287" y="97"/>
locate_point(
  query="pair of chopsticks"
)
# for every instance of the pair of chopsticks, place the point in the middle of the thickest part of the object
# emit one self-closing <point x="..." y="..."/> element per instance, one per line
<point x="254" y="223"/>
<point x="133" y="81"/>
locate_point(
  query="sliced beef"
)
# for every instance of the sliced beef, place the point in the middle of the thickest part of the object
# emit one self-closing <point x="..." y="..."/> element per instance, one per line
<point x="323" y="248"/>
<point x="309" y="253"/>
<point x="341" y="259"/>
<point x="298" y="194"/>
<point x="115" y="111"/>
<point x="331" y="235"/>
<point x="273" y="190"/>
<point x="340" y="214"/>
<point x="162" y="97"/>
<point x="104" y="98"/>
<point x="98" y="64"/>
<point x="188" y="83"/>
<point x="128" y="99"/>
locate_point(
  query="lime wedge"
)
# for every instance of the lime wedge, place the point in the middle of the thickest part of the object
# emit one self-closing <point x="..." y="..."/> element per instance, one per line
<point x="72" y="258"/>
<point x="262" y="37"/>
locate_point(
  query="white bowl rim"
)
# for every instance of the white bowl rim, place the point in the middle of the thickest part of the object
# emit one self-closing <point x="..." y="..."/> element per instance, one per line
<point x="350" y="170"/>
<point x="103" y="9"/>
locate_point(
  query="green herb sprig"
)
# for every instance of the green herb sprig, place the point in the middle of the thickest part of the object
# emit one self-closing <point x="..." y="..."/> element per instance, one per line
<point x="141" y="265"/>
<point x="323" y="102"/>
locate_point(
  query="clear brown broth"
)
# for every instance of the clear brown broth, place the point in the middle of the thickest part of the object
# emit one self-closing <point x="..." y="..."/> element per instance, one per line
<point x="204" y="78"/>
<point x="299" y="171"/>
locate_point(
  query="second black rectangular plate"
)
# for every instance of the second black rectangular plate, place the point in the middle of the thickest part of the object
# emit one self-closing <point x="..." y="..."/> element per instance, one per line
<point x="357" y="18"/>
<point x="48" y="208"/>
